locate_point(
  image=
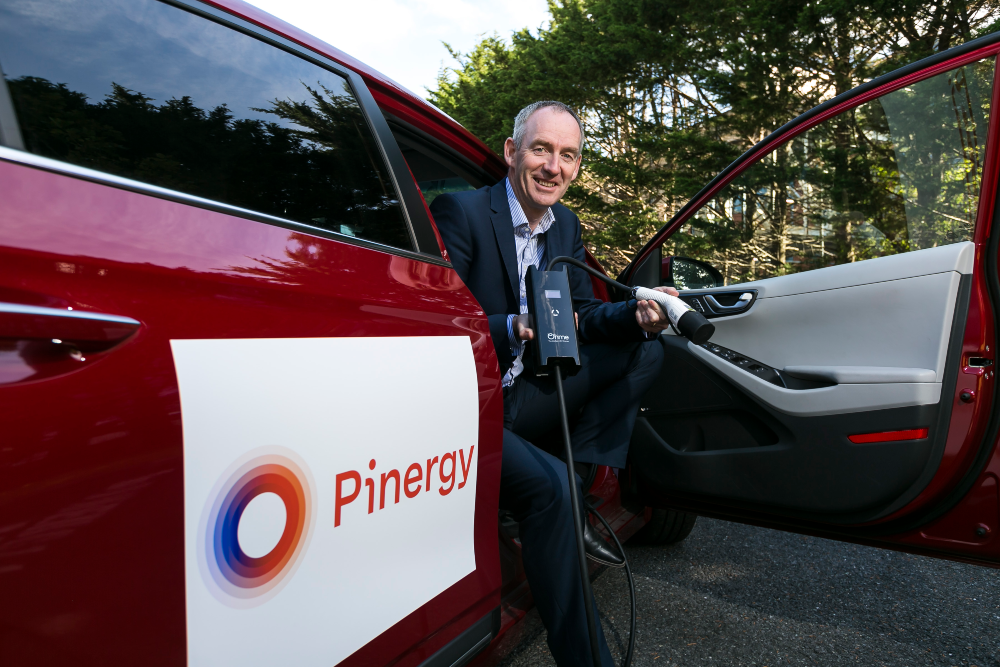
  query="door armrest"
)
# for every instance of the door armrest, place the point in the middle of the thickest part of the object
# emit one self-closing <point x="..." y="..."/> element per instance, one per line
<point x="861" y="374"/>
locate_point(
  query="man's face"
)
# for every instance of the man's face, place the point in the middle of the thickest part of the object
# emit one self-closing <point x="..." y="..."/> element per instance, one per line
<point x="548" y="160"/>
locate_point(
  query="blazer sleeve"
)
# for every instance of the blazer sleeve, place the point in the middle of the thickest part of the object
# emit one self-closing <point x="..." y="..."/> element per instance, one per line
<point x="600" y="322"/>
<point x="453" y="223"/>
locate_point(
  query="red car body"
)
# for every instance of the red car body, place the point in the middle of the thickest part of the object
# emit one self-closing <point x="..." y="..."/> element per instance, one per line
<point x="92" y="460"/>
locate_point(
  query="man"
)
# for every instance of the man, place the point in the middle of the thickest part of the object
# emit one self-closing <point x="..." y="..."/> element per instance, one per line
<point x="493" y="234"/>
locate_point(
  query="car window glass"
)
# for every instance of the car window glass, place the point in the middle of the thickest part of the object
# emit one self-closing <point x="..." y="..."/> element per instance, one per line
<point x="899" y="173"/>
<point x="150" y="92"/>
<point x="433" y="175"/>
<point x="690" y="274"/>
<point x="432" y="187"/>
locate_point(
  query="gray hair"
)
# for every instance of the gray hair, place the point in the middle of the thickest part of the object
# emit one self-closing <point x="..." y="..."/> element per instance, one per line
<point x="524" y="114"/>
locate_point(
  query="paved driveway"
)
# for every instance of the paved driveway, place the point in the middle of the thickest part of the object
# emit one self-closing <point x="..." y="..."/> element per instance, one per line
<point x="737" y="595"/>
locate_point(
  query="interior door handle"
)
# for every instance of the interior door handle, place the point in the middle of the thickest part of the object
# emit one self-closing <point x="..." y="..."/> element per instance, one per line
<point x="20" y="321"/>
<point x="742" y="303"/>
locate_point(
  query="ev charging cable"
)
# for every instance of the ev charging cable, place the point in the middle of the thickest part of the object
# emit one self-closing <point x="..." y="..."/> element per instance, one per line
<point x="685" y="321"/>
<point x="631" y="584"/>
<point x="574" y="498"/>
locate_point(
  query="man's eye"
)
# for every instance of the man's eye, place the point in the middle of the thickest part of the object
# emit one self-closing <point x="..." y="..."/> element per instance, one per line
<point x="538" y="151"/>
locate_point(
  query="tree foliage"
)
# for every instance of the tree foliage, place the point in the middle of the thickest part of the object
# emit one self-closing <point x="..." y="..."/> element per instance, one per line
<point x="672" y="92"/>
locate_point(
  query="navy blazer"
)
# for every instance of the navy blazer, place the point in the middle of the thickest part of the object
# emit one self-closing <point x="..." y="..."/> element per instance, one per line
<point x="478" y="232"/>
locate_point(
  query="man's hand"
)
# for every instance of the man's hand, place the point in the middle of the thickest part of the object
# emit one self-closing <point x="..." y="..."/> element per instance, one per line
<point x="650" y="316"/>
<point x="522" y="327"/>
<point x="523" y="330"/>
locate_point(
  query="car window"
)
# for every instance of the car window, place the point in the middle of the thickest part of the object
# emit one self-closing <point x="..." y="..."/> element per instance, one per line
<point x="432" y="187"/>
<point x="899" y="173"/>
<point x="435" y="174"/>
<point x="148" y="91"/>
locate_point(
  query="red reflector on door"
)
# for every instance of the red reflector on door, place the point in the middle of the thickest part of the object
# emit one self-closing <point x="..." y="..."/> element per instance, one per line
<point x="889" y="436"/>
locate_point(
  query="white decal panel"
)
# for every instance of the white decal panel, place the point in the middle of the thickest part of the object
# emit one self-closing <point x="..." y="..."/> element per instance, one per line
<point x="329" y="490"/>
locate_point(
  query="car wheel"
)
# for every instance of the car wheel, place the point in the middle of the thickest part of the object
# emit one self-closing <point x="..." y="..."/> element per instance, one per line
<point x="665" y="527"/>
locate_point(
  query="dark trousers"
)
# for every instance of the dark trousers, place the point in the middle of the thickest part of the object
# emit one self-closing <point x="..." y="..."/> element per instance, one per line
<point x="611" y="383"/>
<point x="534" y="485"/>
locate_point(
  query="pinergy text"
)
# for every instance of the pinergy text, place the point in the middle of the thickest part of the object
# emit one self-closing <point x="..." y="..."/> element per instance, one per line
<point x="417" y="478"/>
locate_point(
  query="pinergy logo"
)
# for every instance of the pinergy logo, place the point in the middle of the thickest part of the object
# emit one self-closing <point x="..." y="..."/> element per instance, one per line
<point x="450" y="466"/>
<point x="239" y="579"/>
<point x="558" y="338"/>
<point x="246" y="557"/>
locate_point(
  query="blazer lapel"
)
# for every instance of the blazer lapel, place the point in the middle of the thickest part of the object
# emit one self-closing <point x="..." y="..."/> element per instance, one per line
<point x="555" y="239"/>
<point x="503" y="227"/>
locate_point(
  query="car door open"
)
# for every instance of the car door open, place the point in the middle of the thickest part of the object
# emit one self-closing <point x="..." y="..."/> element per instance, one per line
<point x="853" y="324"/>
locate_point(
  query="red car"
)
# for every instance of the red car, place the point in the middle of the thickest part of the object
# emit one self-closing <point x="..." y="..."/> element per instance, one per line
<point x="253" y="415"/>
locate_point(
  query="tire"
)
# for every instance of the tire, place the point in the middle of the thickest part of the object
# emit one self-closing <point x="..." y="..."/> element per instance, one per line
<point x="665" y="527"/>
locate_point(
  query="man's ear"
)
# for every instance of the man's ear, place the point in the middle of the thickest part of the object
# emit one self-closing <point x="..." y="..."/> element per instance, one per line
<point x="509" y="151"/>
<point x="576" y="172"/>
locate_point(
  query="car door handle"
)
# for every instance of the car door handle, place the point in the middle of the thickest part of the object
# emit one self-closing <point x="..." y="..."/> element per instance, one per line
<point x="742" y="304"/>
<point x="21" y="321"/>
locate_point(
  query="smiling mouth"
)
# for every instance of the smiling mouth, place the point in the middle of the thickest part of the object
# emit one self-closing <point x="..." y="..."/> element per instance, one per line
<point x="546" y="184"/>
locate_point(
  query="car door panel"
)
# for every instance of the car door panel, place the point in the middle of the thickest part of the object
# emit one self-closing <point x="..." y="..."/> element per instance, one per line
<point x="896" y="313"/>
<point x="734" y="448"/>
<point x="880" y="338"/>
<point x="98" y="449"/>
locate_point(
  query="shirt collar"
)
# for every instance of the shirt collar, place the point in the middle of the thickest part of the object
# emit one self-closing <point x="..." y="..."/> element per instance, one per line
<point x="518" y="216"/>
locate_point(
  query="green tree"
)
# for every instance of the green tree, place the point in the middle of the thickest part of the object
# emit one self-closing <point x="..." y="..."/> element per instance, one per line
<point x="671" y="92"/>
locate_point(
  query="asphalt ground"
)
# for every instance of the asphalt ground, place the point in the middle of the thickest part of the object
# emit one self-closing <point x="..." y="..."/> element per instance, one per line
<point x="732" y="594"/>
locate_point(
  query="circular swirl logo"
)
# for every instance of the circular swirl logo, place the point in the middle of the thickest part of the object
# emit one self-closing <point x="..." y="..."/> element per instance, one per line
<point x="273" y="477"/>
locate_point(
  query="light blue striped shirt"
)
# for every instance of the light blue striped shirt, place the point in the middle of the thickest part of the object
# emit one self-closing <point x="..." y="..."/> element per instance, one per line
<point x="530" y="248"/>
